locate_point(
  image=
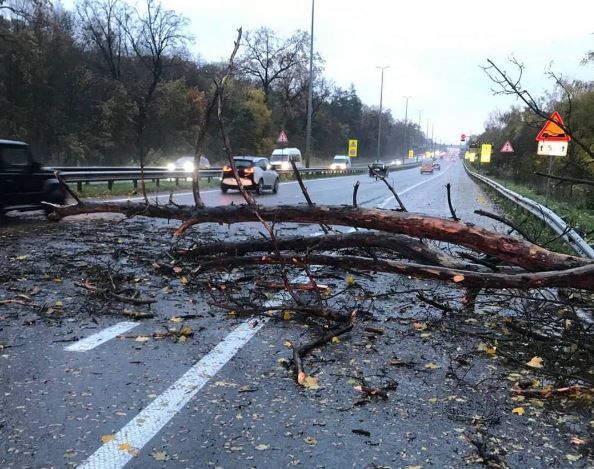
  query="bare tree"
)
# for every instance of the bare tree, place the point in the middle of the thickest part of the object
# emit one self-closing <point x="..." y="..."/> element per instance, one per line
<point x="268" y="59"/>
<point x="101" y="27"/>
<point x="154" y="35"/>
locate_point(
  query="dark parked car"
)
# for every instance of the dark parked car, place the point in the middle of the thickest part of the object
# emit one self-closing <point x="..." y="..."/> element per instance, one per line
<point x="378" y="168"/>
<point x="23" y="183"/>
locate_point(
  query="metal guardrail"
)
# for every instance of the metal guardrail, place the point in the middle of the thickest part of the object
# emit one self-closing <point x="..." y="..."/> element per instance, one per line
<point x="545" y="214"/>
<point x="110" y="174"/>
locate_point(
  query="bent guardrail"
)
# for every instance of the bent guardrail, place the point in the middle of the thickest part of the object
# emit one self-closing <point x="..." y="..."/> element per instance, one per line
<point x="578" y="244"/>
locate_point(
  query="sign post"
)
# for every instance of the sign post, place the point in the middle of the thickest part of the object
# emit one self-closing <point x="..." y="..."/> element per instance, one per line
<point x="552" y="141"/>
<point x="353" y="148"/>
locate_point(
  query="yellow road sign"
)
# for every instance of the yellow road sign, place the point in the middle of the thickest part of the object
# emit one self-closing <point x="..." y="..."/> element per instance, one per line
<point x="353" y="148"/>
<point x="486" y="152"/>
<point x="471" y="157"/>
<point x="411" y="154"/>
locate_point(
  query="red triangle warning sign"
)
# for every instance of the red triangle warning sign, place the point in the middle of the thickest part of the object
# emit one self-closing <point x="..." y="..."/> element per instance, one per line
<point x="282" y="137"/>
<point x="507" y="147"/>
<point x="552" y="130"/>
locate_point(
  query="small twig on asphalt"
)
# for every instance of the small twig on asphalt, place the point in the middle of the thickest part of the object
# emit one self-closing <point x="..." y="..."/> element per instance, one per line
<point x="301" y="351"/>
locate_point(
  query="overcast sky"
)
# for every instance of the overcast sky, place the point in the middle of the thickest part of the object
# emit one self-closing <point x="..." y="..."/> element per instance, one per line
<point x="434" y="48"/>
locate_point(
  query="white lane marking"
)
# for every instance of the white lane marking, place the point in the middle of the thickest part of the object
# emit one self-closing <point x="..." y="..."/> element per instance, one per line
<point x="142" y="428"/>
<point x="389" y="199"/>
<point x="101" y="337"/>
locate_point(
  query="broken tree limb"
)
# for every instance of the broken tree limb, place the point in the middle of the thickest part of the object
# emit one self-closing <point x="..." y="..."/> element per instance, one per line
<point x="578" y="277"/>
<point x="411" y="248"/>
<point x="504" y="247"/>
<point x="300" y="352"/>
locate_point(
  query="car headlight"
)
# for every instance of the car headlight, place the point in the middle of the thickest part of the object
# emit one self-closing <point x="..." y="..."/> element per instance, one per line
<point x="170" y="166"/>
<point x="398" y="163"/>
<point x="286" y="165"/>
<point x="189" y="167"/>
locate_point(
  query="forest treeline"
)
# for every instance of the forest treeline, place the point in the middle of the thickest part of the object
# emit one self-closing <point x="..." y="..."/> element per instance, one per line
<point x="106" y="83"/>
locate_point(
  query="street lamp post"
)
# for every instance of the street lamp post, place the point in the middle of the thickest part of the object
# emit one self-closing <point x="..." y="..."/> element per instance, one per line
<point x="310" y="92"/>
<point x="405" y="128"/>
<point x="420" y="131"/>
<point x="379" y="126"/>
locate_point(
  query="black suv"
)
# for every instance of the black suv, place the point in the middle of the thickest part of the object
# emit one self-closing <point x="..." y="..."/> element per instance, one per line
<point x="23" y="183"/>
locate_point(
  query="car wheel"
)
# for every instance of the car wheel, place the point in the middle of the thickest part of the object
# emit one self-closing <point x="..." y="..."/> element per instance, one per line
<point x="275" y="187"/>
<point x="224" y="189"/>
<point x="260" y="187"/>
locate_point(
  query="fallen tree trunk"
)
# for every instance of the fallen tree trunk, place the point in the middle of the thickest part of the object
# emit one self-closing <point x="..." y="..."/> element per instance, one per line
<point x="504" y="247"/>
<point x="578" y="277"/>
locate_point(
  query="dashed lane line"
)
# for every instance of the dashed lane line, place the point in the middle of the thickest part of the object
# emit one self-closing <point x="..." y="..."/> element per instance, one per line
<point x="89" y="343"/>
<point x="141" y="429"/>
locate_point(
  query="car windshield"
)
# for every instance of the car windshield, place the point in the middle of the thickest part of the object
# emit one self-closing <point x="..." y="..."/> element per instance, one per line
<point x="340" y="159"/>
<point x="278" y="158"/>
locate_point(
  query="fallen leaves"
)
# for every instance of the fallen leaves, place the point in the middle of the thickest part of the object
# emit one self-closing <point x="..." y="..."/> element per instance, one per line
<point x="535" y="362"/>
<point x="310" y="382"/>
<point x="160" y="456"/>
<point x="349" y="280"/>
<point x="310" y="440"/>
<point x="431" y="366"/>
<point x="107" y="438"/>
<point x="518" y="410"/>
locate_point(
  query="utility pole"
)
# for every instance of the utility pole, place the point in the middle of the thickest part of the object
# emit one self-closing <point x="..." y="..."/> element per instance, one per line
<point x="379" y="125"/>
<point x="432" y="142"/>
<point x="405" y="128"/>
<point x="310" y="92"/>
<point x="420" y="112"/>
<point x="427" y="137"/>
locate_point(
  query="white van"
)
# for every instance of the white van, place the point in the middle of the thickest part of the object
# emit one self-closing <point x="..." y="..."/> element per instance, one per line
<point x="281" y="158"/>
<point x="341" y="162"/>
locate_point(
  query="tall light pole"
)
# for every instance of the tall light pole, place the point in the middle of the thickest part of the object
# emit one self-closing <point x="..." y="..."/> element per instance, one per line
<point x="420" y="130"/>
<point x="379" y="126"/>
<point x="405" y="128"/>
<point x="310" y="92"/>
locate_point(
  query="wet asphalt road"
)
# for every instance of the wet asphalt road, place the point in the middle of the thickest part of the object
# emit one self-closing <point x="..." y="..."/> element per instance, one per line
<point x="57" y="405"/>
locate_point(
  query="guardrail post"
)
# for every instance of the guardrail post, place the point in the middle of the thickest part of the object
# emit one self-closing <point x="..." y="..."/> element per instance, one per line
<point x="79" y="186"/>
<point x="177" y="181"/>
<point x="110" y="185"/>
<point x="157" y="182"/>
<point x="135" y="183"/>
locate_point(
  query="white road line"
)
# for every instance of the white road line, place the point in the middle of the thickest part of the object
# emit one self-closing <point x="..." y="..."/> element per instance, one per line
<point x="142" y="428"/>
<point x="389" y="199"/>
<point x="99" y="338"/>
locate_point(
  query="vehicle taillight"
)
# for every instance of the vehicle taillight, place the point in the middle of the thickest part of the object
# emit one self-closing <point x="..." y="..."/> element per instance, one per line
<point x="248" y="171"/>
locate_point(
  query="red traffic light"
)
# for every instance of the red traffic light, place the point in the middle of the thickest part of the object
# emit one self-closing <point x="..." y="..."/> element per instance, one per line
<point x="463" y="137"/>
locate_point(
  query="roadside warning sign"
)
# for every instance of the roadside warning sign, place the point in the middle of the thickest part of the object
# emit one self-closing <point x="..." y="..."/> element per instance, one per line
<point x="353" y="148"/>
<point x="282" y="138"/>
<point x="552" y="130"/>
<point x="507" y="147"/>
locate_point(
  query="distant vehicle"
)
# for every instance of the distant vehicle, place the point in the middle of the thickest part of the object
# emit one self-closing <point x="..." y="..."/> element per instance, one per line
<point x="396" y="162"/>
<point x="427" y="167"/>
<point x="378" y="168"/>
<point x="281" y="158"/>
<point x="23" y="183"/>
<point x="436" y="165"/>
<point x="255" y="173"/>
<point x="186" y="164"/>
<point x="341" y="162"/>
